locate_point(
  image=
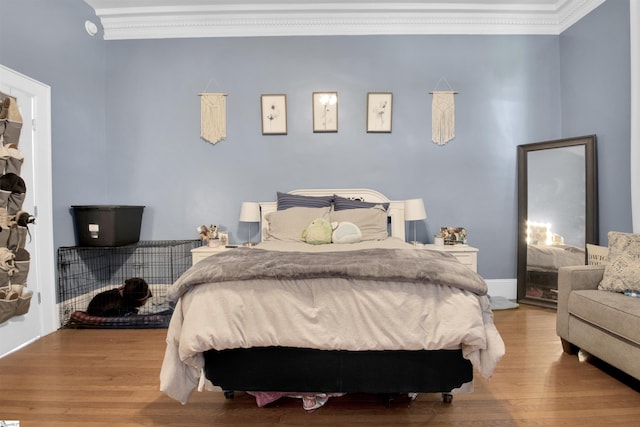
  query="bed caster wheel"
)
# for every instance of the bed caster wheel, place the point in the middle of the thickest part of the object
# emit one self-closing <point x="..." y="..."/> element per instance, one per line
<point x="447" y="397"/>
<point x="229" y="394"/>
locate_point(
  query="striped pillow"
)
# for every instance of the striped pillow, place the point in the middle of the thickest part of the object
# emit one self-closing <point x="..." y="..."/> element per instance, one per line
<point x="286" y="201"/>
<point x="342" y="203"/>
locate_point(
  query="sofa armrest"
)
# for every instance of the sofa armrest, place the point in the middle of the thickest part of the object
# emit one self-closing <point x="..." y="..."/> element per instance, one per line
<point x="574" y="278"/>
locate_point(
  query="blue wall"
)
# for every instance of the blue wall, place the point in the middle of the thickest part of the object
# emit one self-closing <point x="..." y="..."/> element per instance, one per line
<point x="127" y="121"/>
<point x="596" y="99"/>
<point x="46" y="41"/>
<point x="508" y="96"/>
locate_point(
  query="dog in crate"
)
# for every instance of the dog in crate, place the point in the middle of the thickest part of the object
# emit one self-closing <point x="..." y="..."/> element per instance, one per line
<point x="121" y="301"/>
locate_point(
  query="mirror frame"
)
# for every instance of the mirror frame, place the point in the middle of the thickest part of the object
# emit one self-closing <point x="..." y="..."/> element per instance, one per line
<point x="591" y="204"/>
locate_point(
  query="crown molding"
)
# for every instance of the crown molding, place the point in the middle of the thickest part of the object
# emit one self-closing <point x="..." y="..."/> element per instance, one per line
<point x="157" y="19"/>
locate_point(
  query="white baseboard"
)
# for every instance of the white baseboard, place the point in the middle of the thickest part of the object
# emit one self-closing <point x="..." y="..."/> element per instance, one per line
<point x="19" y="347"/>
<point x="506" y="288"/>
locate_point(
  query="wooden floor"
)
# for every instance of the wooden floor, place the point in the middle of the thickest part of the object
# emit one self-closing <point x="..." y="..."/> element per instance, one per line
<point x="110" y="378"/>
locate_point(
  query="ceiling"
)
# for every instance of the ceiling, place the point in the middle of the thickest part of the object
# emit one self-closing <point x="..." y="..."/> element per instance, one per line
<point x="153" y="19"/>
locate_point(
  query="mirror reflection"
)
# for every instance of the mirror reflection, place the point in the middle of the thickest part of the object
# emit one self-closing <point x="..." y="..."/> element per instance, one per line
<point x="555" y="215"/>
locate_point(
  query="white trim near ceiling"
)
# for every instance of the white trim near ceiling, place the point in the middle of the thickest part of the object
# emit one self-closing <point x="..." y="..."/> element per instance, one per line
<point x="144" y="19"/>
<point x="634" y="15"/>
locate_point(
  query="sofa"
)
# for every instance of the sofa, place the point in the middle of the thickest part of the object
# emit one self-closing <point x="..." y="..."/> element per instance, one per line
<point x="603" y="323"/>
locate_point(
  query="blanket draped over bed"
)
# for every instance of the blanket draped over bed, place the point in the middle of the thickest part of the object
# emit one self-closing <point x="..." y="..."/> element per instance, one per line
<point x="247" y="297"/>
<point x="386" y="265"/>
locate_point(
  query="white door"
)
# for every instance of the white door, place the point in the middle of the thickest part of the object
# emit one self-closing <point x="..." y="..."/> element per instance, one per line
<point x="34" y="102"/>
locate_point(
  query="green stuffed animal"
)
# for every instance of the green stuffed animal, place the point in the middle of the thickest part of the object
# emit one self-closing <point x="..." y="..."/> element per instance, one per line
<point x="318" y="232"/>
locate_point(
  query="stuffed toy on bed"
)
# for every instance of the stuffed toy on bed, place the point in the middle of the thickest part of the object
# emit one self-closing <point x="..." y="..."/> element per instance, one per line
<point x="318" y="232"/>
<point x="345" y="232"/>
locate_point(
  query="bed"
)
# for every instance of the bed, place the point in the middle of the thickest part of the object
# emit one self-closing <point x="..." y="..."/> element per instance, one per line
<point x="543" y="262"/>
<point x="288" y="318"/>
<point x="546" y="253"/>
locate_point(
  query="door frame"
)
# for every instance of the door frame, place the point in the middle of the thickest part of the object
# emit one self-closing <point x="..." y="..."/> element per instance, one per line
<point x="42" y="260"/>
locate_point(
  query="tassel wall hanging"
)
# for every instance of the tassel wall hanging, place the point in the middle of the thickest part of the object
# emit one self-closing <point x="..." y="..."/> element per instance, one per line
<point x="443" y="117"/>
<point x="213" y="117"/>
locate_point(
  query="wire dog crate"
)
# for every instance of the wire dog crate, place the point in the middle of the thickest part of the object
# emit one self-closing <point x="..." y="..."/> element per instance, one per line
<point x="84" y="272"/>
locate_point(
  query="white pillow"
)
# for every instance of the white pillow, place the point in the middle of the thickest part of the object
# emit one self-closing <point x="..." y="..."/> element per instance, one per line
<point x="288" y="224"/>
<point x="597" y="255"/>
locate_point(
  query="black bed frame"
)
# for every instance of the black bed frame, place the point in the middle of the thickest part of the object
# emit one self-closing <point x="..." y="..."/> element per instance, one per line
<point x="287" y="369"/>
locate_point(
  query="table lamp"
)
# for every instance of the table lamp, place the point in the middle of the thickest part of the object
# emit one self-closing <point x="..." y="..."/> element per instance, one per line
<point x="250" y="212"/>
<point x="414" y="211"/>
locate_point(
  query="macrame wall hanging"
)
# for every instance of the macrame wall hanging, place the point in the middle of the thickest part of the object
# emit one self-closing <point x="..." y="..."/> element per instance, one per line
<point x="213" y="117"/>
<point x="443" y="117"/>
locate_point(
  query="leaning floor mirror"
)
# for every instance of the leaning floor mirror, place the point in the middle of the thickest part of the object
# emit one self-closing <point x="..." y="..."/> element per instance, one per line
<point x="557" y="213"/>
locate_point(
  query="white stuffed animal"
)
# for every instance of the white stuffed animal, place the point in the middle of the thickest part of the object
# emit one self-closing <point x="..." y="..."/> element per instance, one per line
<point x="345" y="232"/>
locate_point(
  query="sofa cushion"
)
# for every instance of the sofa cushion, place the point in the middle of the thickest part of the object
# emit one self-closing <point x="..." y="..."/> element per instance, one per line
<point x="622" y="273"/>
<point x="613" y="312"/>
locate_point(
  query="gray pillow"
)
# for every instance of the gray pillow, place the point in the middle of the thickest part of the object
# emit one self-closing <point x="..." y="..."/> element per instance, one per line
<point x="289" y="224"/>
<point x="372" y="222"/>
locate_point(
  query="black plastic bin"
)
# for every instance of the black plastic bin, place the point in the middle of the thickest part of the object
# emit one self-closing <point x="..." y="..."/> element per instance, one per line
<point x="107" y="225"/>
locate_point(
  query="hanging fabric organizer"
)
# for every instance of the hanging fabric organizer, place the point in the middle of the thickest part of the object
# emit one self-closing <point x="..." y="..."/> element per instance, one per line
<point x="15" y="297"/>
<point x="443" y="120"/>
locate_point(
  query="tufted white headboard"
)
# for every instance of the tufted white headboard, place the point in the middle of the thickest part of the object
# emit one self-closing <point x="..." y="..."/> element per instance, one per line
<point x="395" y="212"/>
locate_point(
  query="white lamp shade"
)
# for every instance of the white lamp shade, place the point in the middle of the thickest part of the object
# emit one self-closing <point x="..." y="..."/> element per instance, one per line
<point x="250" y="212"/>
<point x="414" y="210"/>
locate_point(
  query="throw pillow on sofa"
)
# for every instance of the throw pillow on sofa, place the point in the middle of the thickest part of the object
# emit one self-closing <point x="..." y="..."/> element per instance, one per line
<point x="622" y="273"/>
<point x="597" y="255"/>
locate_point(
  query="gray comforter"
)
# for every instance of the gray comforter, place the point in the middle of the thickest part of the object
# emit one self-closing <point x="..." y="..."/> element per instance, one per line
<point x="397" y="265"/>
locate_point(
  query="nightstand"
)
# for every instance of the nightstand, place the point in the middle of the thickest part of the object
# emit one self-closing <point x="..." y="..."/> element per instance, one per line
<point x="198" y="254"/>
<point x="467" y="255"/>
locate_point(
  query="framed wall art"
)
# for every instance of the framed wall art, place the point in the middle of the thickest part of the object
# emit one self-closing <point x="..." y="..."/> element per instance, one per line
<point x="274" y="114"/>
<point x="325" y="111"/>
<point x="379" y="109"/>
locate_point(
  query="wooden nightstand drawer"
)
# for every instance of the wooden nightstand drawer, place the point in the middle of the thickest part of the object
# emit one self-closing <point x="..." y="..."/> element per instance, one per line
<point x="198" y="254"/>
<point x="466" y="259"/>
<point x="467" y="255"/>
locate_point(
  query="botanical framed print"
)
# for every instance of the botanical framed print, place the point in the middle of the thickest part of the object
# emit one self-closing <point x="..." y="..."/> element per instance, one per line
<point x="379" y="109"/>
<point x="325" y="111"/>
<point x="274" y="114"/>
